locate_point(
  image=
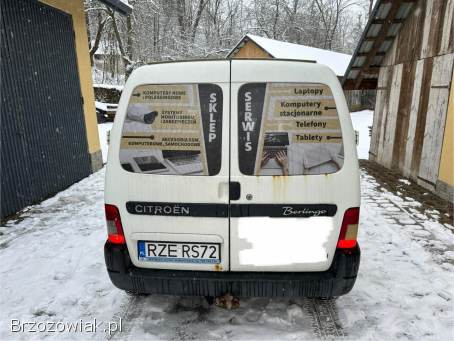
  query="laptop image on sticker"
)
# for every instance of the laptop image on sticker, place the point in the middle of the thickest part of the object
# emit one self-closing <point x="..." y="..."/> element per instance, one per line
<point x="149" y="164"/>
<point x="182" y="161"/>
<point x="171" y="162"/>
<point x="275" y="142"/>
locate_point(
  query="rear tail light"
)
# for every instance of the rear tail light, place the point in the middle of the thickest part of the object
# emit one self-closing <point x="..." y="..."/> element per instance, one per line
<point x="349" y="229"/>
<point x="114" y="227"/>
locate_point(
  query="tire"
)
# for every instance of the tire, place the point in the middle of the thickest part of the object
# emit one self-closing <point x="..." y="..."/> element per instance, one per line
<point x="210" y="300"/>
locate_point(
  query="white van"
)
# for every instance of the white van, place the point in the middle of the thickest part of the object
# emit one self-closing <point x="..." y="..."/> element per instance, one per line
<point x="235" y="176"/>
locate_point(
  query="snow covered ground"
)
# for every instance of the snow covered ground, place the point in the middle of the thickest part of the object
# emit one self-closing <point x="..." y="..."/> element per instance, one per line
<point x="362" y="120"/>
<point x="52" y="269"/>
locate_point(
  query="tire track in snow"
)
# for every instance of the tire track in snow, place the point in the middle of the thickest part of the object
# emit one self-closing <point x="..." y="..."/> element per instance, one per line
<point x="138" y="311"/>
<point x="324" y="316"/>
<point x="322" y="313"/>
<point x="133" y="307"/>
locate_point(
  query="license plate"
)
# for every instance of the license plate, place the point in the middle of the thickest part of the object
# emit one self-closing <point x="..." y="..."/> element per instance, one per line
<point x="179" y="252"/>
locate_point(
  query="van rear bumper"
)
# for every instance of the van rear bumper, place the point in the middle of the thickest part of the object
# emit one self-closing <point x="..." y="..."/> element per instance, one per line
<point x="336" y="281"/>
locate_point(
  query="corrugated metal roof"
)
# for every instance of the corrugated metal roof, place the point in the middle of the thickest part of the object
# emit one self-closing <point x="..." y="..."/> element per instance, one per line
<point x="383" y="26"/>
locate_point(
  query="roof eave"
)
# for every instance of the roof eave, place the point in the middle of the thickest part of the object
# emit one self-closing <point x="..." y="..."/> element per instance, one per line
<point x="245" y="39"/>
<point x="363" y="35"/>
<point x="232" y="51"/>
<point x="361" y="80"/>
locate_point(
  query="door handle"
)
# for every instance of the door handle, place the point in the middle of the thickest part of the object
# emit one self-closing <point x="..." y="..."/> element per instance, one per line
<point x="234" y="190"/>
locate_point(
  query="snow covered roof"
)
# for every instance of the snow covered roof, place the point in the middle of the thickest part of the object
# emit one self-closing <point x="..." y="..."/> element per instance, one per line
<point x="121" y="6"/>
<point x="338" y="62"/>
<point x="107" y="48"/>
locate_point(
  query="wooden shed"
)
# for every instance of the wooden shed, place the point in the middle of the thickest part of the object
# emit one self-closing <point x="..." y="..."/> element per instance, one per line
<point x="406" y="52"/>
<point x="252" y="46"/>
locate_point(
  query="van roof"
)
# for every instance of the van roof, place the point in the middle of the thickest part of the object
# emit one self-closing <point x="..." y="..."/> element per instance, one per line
<point x="223" y="59"/>
<point x="192" y="68"/>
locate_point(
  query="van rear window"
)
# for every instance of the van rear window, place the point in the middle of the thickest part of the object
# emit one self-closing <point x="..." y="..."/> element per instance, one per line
<point x="288" y="129"/>
<point x="173" y="129"/>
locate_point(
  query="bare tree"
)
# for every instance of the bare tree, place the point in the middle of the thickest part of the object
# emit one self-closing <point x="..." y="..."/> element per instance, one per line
<point x="180" y="29"/>
<point x="330" y="11"/>
<point x="100" y="27"/>
<point x="198" y="15"/>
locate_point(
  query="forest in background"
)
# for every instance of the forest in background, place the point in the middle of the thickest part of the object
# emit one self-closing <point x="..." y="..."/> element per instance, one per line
<point x="159" y="30"/>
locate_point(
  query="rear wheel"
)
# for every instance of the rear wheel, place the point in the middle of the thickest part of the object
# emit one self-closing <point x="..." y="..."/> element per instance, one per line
<point x="209" y="300"/>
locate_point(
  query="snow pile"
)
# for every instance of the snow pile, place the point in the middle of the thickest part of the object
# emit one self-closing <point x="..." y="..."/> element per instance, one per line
<point x="126" y="2"/>
<point x="338" y="62"/>
<point x="361" y="121"/>
<point x="103" y="129"/>
<point x="106" y="106"/>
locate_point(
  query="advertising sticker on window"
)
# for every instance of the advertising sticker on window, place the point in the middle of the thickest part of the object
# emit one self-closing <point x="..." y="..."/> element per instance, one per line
<point x="288" y="129"/>
<point x="173" y="129"/>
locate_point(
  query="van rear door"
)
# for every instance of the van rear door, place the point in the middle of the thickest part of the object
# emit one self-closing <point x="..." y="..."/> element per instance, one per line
<point x="168" y="170"/>
<point x="293" y="166"/>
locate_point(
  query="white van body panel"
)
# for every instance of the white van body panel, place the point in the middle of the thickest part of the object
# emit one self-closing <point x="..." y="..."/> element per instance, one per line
<point x="298" y="244"/>
<point x="247" y="243"/>
<point x="123" y="186"/>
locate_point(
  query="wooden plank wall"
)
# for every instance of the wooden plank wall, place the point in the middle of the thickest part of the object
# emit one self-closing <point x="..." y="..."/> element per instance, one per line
<point x="381" y="106"/>
<point x="251" y="50"/>
<point x="436" y="118"/>
<point x="360" y="99"/>
<point x="413" y="92"/>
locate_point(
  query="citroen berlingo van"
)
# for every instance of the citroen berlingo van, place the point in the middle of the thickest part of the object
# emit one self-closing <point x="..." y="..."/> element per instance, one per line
<point x="236" y="176"/>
